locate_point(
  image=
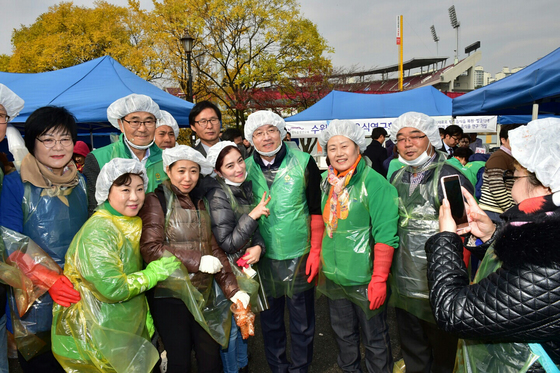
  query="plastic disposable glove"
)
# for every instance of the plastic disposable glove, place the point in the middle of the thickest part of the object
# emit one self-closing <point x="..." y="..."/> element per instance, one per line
<point x="241" y="296"/>
<point x="314" y="259"/>
<point x="377" y="288"/>
<point x="63" y="292"/>
<point x="160" y="269"/>
<point x="209" y="264"/>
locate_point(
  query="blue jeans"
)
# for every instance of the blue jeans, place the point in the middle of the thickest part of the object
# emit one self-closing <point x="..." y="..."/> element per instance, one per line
<point x="4" y="368"/>
<point x="235" y="356"/>
<point x="347" y="319"/>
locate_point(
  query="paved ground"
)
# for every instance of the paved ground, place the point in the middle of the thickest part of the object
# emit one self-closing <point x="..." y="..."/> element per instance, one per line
<point x="325" y="349"/>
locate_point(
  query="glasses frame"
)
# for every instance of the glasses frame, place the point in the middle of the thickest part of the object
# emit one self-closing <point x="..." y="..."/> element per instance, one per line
<point x="412" y="139"/>
<point x="5" y="116"/>
<point x="55" y="142"/>
<point x="270" y="132"/>
<point x="204" y="122"/>
<point x="508" y="175"/>
<point x="140" y="123"/>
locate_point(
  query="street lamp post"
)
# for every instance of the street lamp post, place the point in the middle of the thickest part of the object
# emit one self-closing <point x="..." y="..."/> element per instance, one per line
<point x="187" y="42"/>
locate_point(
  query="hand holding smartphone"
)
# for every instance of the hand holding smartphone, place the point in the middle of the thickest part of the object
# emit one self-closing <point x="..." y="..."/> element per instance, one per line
<point x="451" y="186"/>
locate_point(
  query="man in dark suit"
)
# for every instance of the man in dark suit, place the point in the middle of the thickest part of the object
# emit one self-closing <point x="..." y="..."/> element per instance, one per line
<point x="376" y="152"/>
<point x="205" y="120"/>
<point x="451" y="138"/>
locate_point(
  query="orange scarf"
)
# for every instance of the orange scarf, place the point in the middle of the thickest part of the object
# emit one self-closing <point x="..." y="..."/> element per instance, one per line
<point x="338" y="196"/>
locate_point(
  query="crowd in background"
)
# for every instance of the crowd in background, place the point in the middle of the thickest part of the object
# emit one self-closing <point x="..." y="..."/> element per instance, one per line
<point x="106" y="251"/>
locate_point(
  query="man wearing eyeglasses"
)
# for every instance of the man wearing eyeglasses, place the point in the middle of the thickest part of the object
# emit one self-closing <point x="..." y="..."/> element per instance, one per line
<point x="452" y="136"/>
<point x="205" y="120"/>
<point x="425" y="347"/>
<point x="136" y="117"/>
<point x="293" y="234"/>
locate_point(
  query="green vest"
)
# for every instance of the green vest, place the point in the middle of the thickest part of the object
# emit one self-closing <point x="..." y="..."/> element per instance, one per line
<point x="118" y="149"/>
<point x="286" y="232"/>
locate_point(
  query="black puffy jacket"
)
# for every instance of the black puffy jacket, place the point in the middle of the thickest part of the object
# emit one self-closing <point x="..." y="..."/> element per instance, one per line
<point x="233" y="235"/>
<point x="520" y="302"/>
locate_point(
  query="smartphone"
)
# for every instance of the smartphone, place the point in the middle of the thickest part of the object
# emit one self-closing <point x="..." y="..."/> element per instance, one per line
<point x="451" y="186"/>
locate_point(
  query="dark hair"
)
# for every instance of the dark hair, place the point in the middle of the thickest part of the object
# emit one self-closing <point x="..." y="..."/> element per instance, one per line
<point x="46" y="118"/>
<point x="466" y="136"/>
<point x="230" y="134"/>
<point x="225" y="151"/>
<point x="202" y="105"/>
<point x="441" y="131"/>
<point x="463" y="153"/>
<point x="378" y="132"/>
<point x="504" y="130"/>
<point x="453" y="130"/>
<point x="124" y="179"/>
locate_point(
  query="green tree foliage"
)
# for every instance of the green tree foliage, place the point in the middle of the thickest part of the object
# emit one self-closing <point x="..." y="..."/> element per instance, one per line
<point x="68" y="35"/>
<point x="240" y="46"/>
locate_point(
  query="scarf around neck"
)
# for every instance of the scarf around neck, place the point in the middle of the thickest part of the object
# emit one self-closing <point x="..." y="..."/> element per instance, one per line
<point x="338" y="196"/>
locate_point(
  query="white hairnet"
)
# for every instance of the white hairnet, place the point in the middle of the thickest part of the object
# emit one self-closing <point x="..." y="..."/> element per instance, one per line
<point x="112" y="170"/>
<point x="421" y="122"/>
<point x="131" y="104"/>
<point x="344" y="128"/>
<point x="536" y="147"/>
<point x="185" y="153"/>
<point x="262" y="118"/>
<point x="214" y="152"/>
<point x="168" y="120"/>
<point x="11" y="102"/>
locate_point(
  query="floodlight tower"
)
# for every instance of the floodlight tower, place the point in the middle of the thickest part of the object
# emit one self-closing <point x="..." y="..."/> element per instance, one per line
<point x="436" y="39"/>
<point x="455" y="24"/>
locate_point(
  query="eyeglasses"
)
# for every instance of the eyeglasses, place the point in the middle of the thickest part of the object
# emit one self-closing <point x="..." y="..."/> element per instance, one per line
<point x="204" y="122"/>
<point x="50" y="143"/>
<point x="414" y="139"/>
<point x="269" y="132"/>
<point x="4" y="118"/>
<point x="134" y="124"/>
<point x="508" y="175"/>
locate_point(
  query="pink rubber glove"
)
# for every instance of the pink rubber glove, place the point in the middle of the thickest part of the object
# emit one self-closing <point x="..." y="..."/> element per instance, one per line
<point x="63" y="293"/>
<point x="314" y="259"/>
<point x="377" y="288"/>
<point x="242" y="262"/>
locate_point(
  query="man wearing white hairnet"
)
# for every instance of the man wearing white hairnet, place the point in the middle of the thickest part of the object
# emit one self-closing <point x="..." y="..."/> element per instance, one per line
<point x="167" y="131"/>
<point x="425" y="347"/>
<point x="295" y="225"/>
<point x="136" y="117"/>
<point x="10" y="106"/>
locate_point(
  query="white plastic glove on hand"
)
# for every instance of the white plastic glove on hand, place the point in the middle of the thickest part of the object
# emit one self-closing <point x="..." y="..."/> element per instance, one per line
<point x="209" y="264"/>
<point x="241" y="296"/>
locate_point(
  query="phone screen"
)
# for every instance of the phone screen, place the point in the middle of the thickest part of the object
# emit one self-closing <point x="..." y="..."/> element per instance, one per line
<point x="452" y="187"/>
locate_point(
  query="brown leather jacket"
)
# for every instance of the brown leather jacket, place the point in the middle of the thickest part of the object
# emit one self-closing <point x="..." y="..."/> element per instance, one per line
<point x="153" y="241"/>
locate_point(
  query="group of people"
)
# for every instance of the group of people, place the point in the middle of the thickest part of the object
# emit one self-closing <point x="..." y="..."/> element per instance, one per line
<point x="191" y="242"/>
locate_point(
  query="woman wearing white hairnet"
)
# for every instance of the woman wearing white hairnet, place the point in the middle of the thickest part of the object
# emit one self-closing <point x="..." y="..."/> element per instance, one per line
<point x="509" y="317"/>
<point x="360" y="214"/>
<point x="190" y="310"/>
<point x="46" y="201"/>
<point x="236" y="228"/>
<point x="107" y="331"/>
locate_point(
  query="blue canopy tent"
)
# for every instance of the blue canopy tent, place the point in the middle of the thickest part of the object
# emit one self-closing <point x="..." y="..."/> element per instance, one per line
<point x="533" y="90"/>
<point x="87" y="90"/>
<point x="348" y="105"/>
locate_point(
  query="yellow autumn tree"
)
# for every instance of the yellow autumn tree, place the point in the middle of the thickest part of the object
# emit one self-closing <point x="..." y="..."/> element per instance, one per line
<point x="240" y="47"/>
<point x="68" y="35"/>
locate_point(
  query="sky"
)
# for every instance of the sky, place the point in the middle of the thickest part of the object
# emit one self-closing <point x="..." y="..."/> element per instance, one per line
<point x="512" y="33"/>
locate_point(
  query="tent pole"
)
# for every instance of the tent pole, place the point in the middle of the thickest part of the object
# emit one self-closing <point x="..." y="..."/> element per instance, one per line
<point x="91" y="137"/>
<point x="535" y="110"/>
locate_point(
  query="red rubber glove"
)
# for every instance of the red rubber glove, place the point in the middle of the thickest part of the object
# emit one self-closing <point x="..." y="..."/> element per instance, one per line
<point x="314" y="258"/>
<point x="60" y="288"/>
<point x="63" y="293"/>
<point x="242" y="262"/>
<point x="377" y="288"/>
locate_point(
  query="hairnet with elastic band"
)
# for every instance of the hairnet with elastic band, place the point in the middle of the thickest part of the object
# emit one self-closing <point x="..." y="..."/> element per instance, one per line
<point x="421" y="122"/>
<point x="11" y="102"/>
<point x="214" y="151"/>
<point x="185" y="153"/>
<point x="112" y="170"/>
<point x="263" y="118"/>
<point x="344" y="128"/>
<point x="131" y="104"/>
<point x="168" y="120"/>
<point x="536" y="147"/>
